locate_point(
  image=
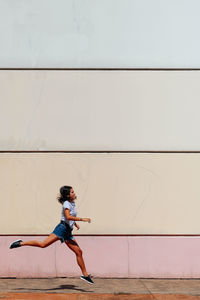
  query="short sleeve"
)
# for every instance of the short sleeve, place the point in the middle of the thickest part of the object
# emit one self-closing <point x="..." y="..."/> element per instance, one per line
<point x="66" y="204"/>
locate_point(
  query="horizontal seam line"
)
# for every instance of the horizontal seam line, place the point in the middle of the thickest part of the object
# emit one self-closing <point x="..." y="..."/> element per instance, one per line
<point x="93" y="151"/>
<point x="99" y="69"/>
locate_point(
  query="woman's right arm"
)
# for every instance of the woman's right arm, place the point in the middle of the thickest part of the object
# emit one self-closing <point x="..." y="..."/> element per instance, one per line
<point x="72" y="218"/>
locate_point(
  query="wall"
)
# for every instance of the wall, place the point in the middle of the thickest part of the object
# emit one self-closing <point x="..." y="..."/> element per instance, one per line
<point x="65" y="111"/>
<point x="100" y="110"/>
<point x="122" y="193"/>
<point x="99" y="34"/>
<point x="106" y="256"/>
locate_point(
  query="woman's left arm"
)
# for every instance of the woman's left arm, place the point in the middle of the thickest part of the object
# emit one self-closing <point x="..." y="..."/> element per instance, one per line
<point x="77" y="226"/>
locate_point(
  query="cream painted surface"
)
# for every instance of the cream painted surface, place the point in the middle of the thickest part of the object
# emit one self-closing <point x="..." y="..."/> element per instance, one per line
<point x="100" y="33"/>
<point x="121" y="193"/>
<point x="80" y="110"/>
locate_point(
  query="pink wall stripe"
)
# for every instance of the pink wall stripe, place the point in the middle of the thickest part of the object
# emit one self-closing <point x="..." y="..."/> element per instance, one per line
<point x="119" y="256"/>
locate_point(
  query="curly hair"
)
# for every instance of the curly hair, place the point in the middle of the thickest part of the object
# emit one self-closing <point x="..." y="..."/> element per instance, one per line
<point x="64" y="193"/>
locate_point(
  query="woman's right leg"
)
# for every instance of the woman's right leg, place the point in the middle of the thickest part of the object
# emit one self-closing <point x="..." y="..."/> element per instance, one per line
<point x="72" y="244"/>
<point x="45" y="243"/>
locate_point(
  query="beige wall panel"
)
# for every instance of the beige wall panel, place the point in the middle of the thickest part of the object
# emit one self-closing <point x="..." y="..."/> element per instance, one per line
<point x="99" y="110"/>
<point x="121" y="193"/>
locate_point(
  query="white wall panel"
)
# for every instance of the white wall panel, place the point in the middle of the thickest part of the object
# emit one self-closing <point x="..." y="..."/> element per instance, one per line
<point x="121" y="193"/>
<point x="94" y="110"/>
<point x="99" y="34"/>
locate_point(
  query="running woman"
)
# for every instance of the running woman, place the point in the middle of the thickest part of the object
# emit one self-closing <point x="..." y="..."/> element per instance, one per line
<point x="63" y="231"/>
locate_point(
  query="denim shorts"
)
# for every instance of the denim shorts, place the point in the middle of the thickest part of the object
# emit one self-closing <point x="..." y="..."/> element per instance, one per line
<point x="63" y="232"/>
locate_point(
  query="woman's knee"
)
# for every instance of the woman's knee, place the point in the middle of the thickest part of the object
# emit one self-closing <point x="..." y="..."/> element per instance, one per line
<point x="43" y="245"/>
<point x="79" y="252"/>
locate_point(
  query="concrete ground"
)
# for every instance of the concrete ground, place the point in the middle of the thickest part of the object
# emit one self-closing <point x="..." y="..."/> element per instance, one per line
<point x="105" y="289"/>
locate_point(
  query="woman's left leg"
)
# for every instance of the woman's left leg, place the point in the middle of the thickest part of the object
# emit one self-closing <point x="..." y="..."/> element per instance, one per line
<point x="45" y="243"/>
<point x="72" y="244"/>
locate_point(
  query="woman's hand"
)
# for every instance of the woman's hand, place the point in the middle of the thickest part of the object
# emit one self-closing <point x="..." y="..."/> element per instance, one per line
<point x="77" y="226"/>
<point x="86" y="220"/>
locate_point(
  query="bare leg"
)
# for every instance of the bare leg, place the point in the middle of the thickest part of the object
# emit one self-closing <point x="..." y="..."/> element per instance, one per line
<point x="79" y="257"/>
<point x="45" y="243"/>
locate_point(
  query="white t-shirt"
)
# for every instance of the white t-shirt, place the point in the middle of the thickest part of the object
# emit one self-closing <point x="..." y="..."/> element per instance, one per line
<point x="72" y="209"/>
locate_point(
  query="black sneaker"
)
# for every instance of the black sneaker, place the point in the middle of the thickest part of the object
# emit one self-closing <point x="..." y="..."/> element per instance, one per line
<point x="87" y="279"/>
<point x="15" y="244"/>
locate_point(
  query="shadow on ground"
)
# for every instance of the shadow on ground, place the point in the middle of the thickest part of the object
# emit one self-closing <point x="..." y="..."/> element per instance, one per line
<point x="61" y="287"/>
